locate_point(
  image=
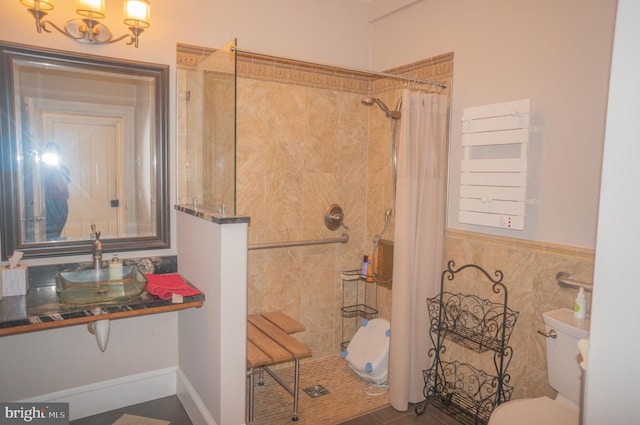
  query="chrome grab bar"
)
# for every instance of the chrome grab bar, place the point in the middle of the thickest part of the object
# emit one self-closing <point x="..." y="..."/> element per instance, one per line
<point x="551" y="334"/>
<point x="342" y="239"/>
<point x="566" y="280"/>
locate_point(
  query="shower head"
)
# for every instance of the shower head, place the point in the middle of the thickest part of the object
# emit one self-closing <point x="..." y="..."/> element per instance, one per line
<point x="368" y="100"/>
<point x="390" y="114"/>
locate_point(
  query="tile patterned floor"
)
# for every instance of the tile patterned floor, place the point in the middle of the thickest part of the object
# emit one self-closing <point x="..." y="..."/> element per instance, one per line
<point x="346" y="404"/>
<point x="166" y="408"/>
<point x="390" y="416"/>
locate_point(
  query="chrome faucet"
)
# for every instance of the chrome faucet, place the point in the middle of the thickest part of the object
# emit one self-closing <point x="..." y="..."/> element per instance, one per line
<point x="97" y="248"/>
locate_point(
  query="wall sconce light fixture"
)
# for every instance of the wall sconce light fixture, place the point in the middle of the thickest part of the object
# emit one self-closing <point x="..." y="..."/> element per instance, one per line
<point x="88" y="29"/>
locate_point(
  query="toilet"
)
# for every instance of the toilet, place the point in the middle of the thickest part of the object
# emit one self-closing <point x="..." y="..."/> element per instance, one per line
<point x="368" y="352"/>
<point x="564" y="374"/>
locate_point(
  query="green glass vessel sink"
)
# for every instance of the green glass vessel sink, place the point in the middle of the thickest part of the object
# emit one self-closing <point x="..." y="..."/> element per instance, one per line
<point x="91" y="286"/>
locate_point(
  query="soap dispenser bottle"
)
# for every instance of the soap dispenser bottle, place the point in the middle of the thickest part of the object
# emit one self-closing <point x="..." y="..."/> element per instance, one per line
<point x="365" y="265"/>
<point x="580" y="305"/>
<point x="115" y="268"/>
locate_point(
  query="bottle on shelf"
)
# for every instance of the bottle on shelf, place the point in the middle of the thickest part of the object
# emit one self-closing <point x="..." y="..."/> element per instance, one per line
<point x="365" y="265"/>
<point x="580" y="305"/>
<point x="370" y="269"/>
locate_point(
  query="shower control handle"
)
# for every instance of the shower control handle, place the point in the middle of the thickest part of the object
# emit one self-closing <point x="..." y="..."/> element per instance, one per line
<point x="338" y="218"/>
<point x="551" y="334"/>
<point x="334" y="217"/>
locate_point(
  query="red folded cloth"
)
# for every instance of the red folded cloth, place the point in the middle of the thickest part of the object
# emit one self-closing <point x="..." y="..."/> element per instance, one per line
<point x="165" y="285"/>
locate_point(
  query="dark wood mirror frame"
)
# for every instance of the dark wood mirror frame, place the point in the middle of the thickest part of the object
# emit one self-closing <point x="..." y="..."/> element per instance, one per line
<point x="10" y="228"/>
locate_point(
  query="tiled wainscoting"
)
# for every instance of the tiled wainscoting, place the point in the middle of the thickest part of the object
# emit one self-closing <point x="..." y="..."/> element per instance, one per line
<point x="529" y="273"/>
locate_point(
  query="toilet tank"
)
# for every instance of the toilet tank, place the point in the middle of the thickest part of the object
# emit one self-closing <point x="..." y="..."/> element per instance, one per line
<point x="563" y="356"/>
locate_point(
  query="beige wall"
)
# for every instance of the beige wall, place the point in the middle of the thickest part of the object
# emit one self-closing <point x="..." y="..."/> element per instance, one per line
<point x="556" y="53"/>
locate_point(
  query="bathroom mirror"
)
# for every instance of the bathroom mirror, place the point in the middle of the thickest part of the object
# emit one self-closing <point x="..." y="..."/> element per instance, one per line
<point x="84" y="141"/>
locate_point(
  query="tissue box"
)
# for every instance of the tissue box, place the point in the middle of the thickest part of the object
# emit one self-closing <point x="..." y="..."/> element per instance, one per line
<point x="14" y="281"/>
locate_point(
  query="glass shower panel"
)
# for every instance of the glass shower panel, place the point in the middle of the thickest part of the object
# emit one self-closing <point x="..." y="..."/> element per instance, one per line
<point x="210" y="132"/>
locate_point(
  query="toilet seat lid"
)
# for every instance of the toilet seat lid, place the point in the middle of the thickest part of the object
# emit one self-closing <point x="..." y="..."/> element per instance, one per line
<point x="535" y="411"/>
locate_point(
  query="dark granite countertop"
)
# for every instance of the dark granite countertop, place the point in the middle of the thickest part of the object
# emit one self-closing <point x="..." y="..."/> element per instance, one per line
<point x="209" y="215"/>
<point x="41" y="308"/>
<point x="41" y="305"/>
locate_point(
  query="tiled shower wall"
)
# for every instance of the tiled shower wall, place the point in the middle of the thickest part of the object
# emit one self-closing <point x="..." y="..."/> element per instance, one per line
<point x="301" y="149"/>
<point x="305" y="141"/>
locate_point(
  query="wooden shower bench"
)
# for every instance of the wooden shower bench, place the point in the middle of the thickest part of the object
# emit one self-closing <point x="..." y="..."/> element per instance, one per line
<point x="269" y="343"/>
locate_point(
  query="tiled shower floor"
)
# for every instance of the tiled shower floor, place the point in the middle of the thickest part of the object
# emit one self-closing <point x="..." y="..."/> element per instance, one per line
<point x="346" y="404"/>
<point x="346" y="399"/>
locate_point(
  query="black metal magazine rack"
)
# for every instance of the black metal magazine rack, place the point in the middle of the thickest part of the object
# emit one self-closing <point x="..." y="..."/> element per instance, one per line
<point x="467" y="393"/>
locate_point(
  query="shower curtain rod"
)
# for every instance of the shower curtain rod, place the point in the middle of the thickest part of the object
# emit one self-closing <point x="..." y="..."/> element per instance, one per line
<point x="343" y="68"/>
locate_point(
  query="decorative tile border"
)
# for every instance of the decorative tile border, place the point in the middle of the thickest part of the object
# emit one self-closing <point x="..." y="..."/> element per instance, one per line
<point x="577" y="253"/>
<point x="439" y="68"/>
<point x="189" y="56"/>
<point x="321" y="76"/>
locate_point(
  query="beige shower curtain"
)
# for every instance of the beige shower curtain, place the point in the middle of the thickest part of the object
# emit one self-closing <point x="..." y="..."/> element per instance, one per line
<point x="418" y="239"/>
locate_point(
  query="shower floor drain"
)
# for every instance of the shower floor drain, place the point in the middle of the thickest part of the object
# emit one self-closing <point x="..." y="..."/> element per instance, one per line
<point x="315" y="391"/>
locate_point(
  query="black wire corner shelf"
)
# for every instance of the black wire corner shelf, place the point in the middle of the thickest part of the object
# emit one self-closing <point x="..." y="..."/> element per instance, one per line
<point x="357" y="304"/>
<point x="459" y="389"/>
<point x="361" y="310"/>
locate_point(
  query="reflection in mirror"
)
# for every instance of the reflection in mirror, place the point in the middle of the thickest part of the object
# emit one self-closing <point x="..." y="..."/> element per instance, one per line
<point x="84" y="142"/>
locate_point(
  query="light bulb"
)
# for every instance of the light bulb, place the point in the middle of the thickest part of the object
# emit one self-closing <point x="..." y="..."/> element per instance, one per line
<point x="136" y="13"/>
<point x="38" y="4"/>
<point x="90" y="8"/>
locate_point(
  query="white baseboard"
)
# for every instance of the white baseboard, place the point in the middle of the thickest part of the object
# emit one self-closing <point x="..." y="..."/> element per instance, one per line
<point x="104" y="396"/>
<point x="191" y="401"/>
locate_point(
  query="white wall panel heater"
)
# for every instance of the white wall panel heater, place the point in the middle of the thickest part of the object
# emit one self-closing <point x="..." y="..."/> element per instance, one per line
<point x="493" y="179"/>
